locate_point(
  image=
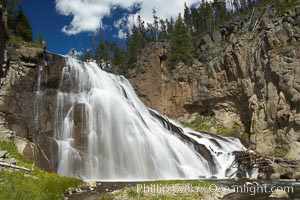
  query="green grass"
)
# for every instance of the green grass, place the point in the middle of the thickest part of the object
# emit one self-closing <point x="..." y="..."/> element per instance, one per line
<point x="283" y="5"/>
<point x="19" y="41"/>
<point x="201" y="123"/>
<point x="204" y="123"/>
<point x="35" y="185"/>
<point x="281" y="151"/>
<point x="10" y="148"/>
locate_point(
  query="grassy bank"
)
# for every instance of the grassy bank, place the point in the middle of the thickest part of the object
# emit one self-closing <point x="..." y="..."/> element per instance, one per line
<point x="35" y="185"/>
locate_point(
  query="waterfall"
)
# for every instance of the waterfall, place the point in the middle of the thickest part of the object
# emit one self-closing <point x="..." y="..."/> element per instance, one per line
<point x="105" y="132"/>
<point x="38" y="97"/>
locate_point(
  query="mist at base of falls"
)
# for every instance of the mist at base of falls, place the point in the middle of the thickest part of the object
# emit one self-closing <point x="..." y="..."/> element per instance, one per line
<point x="105" y="132"/>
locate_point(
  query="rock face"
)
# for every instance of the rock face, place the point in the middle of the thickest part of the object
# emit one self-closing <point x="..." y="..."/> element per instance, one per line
<point x="28" y="103"/>
<point x="3" y="24"/>
<point x="251" y="78"/>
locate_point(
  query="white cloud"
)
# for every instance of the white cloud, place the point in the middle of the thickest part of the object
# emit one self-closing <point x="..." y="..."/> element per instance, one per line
<point x="88" y="14"/>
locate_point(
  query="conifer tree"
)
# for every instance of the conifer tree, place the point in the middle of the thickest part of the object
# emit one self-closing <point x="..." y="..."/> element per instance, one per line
<point x="170" y="27"/>
<point x="134" y="47"/>
<point x="151" y="32"/>
<point x="155" y="24"/>
<point x="142" y="31"/>
<point x="23" y="28"/>
<point x="220" y="11"/>
<point x="87" y="55"/>
<point x="163" y="27"/>
<point x="11" y="7"/>
<point x="188" y="20"/>
<point x="40" y="39"/>
<point x="181" y="46"/>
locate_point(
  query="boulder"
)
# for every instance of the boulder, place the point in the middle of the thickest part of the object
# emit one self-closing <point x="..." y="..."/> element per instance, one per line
<point x="275" y="176"/>
<point x="31" y="152"/>
<point x="3" y="154"/>
<point x="294" y="151"/>
<point x="216" y="36"/>
<point x="48" y="153"/>
<point x="296" y="176"/>
<point x="25" y="148"/>
<point x="92" y="184"/>
<point x="261" y="176"/>
<point x="278" y="193"/>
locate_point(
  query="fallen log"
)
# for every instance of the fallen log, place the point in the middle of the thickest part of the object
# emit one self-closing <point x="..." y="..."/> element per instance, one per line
<point x="3" y="164"/>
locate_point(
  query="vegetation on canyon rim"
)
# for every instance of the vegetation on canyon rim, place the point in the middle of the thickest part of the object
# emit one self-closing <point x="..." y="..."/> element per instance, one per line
<point x="181" y="33"/>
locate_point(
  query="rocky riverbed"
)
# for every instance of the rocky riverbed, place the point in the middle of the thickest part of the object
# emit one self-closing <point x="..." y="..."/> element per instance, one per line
<point x="208" y="190"/>
<point x="149" y="190"/>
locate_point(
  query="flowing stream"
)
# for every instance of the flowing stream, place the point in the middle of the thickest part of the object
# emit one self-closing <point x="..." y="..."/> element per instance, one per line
<point x="105" y="132"/>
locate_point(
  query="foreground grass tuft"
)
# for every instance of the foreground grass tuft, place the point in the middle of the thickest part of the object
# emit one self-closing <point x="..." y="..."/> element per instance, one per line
<point x="35" y="185"/>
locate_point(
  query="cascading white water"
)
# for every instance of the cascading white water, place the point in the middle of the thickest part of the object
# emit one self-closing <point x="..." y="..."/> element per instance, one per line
<point x="38" y="98"/>
<point x="105" y="132"/>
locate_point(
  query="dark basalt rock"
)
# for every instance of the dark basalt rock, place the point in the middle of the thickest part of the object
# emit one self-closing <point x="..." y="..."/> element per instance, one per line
<point x="26" y="115"/>
<point x="81" y="128"/>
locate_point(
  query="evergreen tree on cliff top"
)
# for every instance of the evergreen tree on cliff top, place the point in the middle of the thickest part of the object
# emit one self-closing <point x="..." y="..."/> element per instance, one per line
<point x="23" y="28"/>
<point x="181" y="45"/>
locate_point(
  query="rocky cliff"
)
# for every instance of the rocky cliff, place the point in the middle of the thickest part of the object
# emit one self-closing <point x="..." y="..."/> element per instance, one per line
<point x="28" y="102"/>
<point x="3" y="24"/>
<point x="247" y="72"/>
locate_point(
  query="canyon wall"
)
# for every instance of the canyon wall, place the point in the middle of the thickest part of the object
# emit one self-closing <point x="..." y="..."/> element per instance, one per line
<point x="3" y="27"/>
<point x="28" y="102"/>
<point x="247" y="72"/>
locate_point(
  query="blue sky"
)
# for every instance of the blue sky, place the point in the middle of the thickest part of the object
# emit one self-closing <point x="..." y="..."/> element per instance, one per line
<point x="67" y="24"/>
<point x="45" y="19"/>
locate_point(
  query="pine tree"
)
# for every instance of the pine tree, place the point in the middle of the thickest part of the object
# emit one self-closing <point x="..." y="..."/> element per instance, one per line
<point x="102" y="55"/>
<point x="134" y="47"/>
<point x="151" y="32"/>
<point x="207" y="11"/>
<point x="188" y="19"/>
<point x="87" y="55"/>
<point x="220" y="11"/>
<point x="23" y="28"/>
<point x="155" y="24"/>
<point x="196" y="21"/>
<point x="170" y="27"/>
<point x="142" y="31"/>
<point x="40" y="39"/>
<point x="181" y="46"/>
<point x="118" y="59"/>
<point x="163" y="26"/>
